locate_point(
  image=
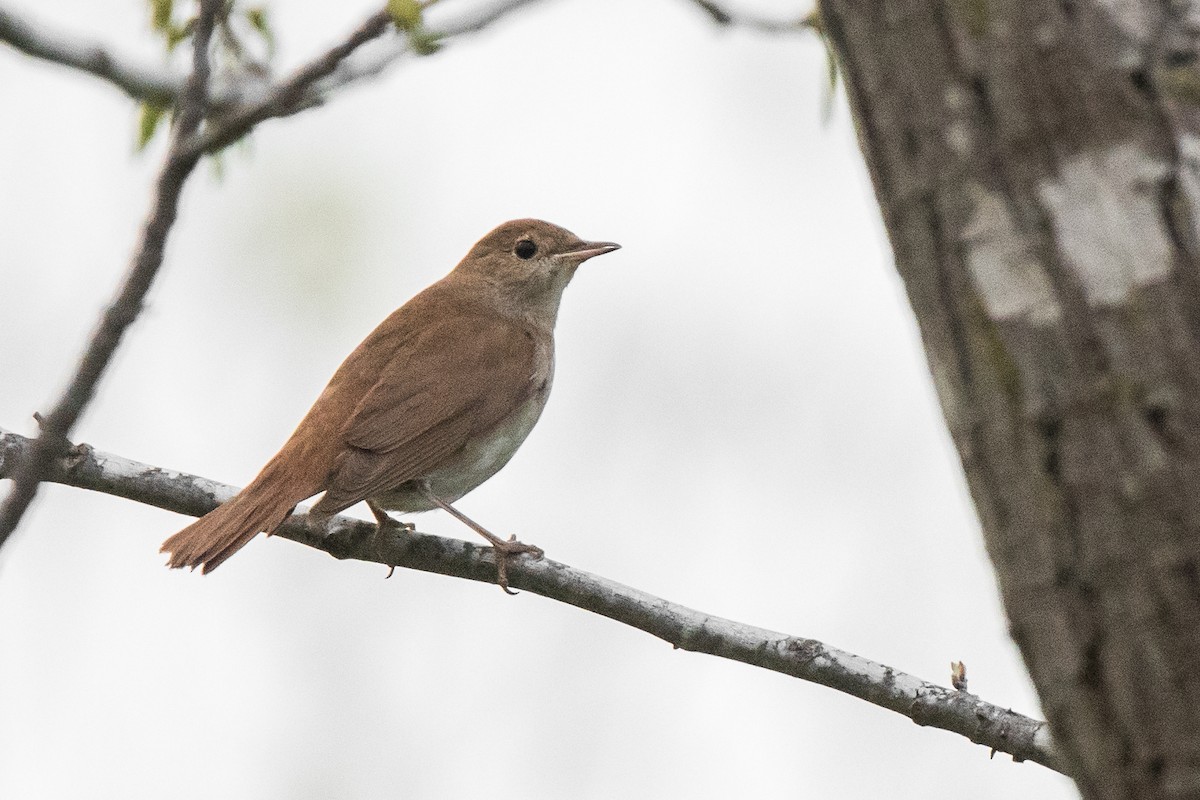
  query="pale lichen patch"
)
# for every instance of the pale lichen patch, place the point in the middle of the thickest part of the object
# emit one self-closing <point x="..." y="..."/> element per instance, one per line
<point x="1104" y="207"/>
<point x="945" y="383"/>
<point x="1136" y="25"/>
<point x="957" y="99"/>
<point x="958" y="135"/>
<point x="1004" y="271"/>
<point x="958" y="138"/>
<point x="1188" y="176"/>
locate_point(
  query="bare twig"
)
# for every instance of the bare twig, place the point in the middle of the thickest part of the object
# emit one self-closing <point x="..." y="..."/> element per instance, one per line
<point x="195" y="92"/>
<point x="155" y="84"/>
<point x="370" y="65"/>
<point x="1003" y="730"/>
<point x="125" y="308"/>
<point x="162" y="86"/>
<point x="335" y="69"/>
<point x="137" y="80"/>
<point x="723" y="15"/>
<point x="292" y="94"/>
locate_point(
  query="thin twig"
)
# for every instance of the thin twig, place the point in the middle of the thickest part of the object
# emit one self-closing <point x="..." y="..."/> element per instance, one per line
<point x="925" y="703"/>
<point x="137" y="80"/>
<point x="722" y="15"/>
<point x="334" y="69"/>
<point x="370" y="65"/>
<point x="148" y="257"/>
<point x="162" y="86"/>
<point x="292" y="94"/>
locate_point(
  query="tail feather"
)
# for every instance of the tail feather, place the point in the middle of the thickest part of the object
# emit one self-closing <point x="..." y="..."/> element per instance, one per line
<point x="210" y="540"/>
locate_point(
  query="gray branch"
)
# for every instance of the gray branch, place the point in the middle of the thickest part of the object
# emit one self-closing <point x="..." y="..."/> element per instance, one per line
<point x="1003" y="730"/>
<point x="139" y="81"/>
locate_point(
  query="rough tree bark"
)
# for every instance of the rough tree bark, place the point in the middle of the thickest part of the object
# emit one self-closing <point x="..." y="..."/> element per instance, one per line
<point x="1038" y="168"/>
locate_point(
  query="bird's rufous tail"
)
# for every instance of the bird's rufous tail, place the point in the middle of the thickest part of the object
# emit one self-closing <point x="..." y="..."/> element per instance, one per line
<point x="210" y="540"/>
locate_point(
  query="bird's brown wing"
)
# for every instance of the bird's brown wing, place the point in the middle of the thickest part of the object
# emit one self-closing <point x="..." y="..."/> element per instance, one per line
<point x="453" y="380"/>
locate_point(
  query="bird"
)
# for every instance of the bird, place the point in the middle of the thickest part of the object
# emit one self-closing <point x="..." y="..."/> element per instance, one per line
<point x="429" y="406"/>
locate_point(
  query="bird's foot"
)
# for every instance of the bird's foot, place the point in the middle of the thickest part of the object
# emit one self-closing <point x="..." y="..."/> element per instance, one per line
<point x="386" y="520"/>
<point x="383" y="520"/>
<point x="505" y="549"/>
<point x="404" y="527"/>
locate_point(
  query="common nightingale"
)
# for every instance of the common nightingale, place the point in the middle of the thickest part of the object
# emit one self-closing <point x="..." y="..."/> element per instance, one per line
<point x="431" y="404"/>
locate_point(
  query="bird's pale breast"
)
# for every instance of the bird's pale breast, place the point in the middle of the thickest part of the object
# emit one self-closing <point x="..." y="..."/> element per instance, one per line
<point x="480" y="459"/>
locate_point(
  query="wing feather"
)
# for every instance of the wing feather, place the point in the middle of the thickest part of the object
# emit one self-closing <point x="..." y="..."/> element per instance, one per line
<point x="456" y="379"/>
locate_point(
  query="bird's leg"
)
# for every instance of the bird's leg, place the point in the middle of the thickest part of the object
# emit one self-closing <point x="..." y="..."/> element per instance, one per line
<point x="384" y="520"/>
<point x="503" y="547"/>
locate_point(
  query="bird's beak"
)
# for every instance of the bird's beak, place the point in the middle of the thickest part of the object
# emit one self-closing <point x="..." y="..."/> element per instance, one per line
<point x="585" y="250"/>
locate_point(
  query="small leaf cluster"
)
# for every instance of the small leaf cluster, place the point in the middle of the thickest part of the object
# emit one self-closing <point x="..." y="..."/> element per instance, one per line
<point x="815" y="24"/>
<point x="409" y="18"/>
<point x="234" y="27"/>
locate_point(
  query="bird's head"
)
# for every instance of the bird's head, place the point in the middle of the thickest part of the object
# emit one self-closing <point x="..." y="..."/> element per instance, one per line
<point x="530" y="262"/>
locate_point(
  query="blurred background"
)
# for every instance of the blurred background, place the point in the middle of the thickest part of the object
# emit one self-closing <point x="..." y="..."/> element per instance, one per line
<point x="742" y="421"/>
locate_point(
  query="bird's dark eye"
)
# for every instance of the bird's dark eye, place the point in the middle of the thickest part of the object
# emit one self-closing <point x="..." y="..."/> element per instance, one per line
<point x="525" y="249"/>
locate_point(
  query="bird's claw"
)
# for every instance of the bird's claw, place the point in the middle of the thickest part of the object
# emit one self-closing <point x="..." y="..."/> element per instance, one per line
<point x="384" y="520"/>
<point x="505" y="549"/>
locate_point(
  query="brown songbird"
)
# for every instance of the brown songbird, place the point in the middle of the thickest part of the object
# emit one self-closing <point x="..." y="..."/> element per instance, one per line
<point x="431" y="404"/>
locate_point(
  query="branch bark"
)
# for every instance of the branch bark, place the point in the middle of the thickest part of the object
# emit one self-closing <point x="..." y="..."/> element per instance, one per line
<point x="148" y="257"/>
<point x="925" y="703"/>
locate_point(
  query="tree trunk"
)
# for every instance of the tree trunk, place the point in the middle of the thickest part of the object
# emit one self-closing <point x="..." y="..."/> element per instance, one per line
<point x="1038" y="168"/>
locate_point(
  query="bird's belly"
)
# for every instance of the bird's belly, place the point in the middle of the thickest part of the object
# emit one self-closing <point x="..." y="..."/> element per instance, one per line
<point x="482" y="458"/>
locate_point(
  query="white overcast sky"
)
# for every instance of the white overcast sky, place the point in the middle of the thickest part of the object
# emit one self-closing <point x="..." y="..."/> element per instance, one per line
<point x="742" y="421"/>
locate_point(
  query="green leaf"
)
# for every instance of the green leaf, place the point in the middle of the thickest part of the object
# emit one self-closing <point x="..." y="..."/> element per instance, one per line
<point x="423" y="42"/>
<point x="257" y="17"/>
<point x="216" y="162"/>
<point x="405" y="13"/>
<point x="150" y="114"/>
<point x="179" y="33"/>
<point x="831" y="83"/>
<point x="160" y="14"/>
<point x="973" y="14"/>
<point x="829" y="93"/>
<point x="1180" y="83"/>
